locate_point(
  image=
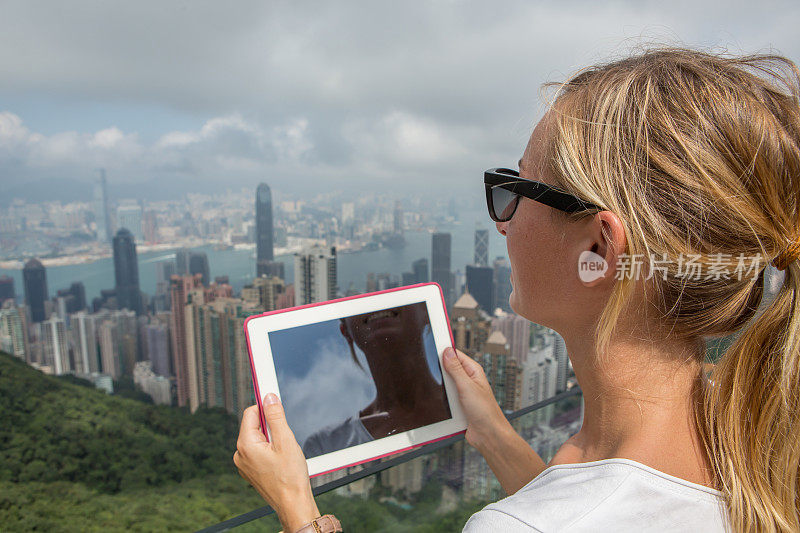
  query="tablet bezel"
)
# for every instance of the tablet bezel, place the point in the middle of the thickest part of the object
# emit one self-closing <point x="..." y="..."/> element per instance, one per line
<point x="258" y="327"/>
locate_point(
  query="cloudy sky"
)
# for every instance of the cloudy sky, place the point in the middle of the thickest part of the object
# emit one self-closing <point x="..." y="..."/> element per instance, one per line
<point x="329" y="95"/>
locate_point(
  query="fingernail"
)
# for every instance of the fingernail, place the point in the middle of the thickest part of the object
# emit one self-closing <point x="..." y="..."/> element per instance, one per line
<point x="449" y="353"/>
<point x="271" y="398"/>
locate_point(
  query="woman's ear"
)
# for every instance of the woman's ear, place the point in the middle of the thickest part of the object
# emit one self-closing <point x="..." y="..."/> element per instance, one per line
<point x="601" y="250"/>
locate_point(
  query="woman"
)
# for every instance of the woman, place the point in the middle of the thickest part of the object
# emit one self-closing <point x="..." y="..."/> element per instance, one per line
<point x="687" y="165"/>
<point x="396" y="344"/>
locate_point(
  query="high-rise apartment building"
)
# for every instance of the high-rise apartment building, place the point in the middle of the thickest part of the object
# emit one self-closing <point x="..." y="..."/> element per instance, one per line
<point x="117" y="335"/>
<point x="157" y="339"/>
<point x="440" y="265"/>
<point x="55" y="346"/>
<point x="562" y="362"/>
<point x="101" y="215"/>
<point x="502" y="371"/>
<point x="129" y="216"/>
<point x="14" y="332"/>
<point x="84" y="343"/>
<point x="217" y="348"/>
<point x="517" y="331"/>
<point x="539" y="381"/>
<point x="180" y="289"/>
<point x="126" y="272"/>
<point x="35" y="280"/>
<point x="482" y="247"/>
<point x="315" y="275"/>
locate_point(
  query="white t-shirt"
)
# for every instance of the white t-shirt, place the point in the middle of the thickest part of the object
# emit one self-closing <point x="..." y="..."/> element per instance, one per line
<point x="607" y="495"/>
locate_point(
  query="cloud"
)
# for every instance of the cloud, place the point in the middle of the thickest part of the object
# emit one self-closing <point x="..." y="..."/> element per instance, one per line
<point x="323" y="94"/>
<point x="309" y="400"/>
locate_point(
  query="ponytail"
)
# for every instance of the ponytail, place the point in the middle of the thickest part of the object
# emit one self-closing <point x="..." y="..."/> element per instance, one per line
<point x="750" y="417"/>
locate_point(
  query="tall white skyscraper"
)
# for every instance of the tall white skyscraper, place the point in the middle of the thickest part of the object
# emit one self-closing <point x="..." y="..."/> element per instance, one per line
<point x="84" y="341"/>
<point x="55" y="346"/>
<point x="315" y="275"/>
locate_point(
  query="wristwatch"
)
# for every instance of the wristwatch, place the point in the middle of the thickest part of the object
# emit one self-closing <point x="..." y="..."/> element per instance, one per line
<point x="322" y="524"/>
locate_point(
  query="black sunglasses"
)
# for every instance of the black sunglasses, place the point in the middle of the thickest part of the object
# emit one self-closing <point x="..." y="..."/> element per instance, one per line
<point x="504" y="188"/>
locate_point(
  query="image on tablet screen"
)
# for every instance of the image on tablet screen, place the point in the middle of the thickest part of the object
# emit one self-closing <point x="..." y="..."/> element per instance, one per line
<point x="348" y="381"/>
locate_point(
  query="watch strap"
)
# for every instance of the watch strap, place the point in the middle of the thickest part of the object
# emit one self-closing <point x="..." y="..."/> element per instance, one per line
<point x="323" y="524"/>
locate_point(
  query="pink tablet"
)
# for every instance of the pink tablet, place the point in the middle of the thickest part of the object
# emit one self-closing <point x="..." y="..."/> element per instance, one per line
<point x="359" y="377"/>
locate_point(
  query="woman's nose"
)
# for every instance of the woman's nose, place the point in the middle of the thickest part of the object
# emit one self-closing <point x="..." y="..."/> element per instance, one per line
<point x="501" y="227"/>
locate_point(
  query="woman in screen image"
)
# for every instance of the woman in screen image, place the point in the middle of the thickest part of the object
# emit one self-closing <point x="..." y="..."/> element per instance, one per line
<point x="407" y="395"/>
<point x="665" y="159"/>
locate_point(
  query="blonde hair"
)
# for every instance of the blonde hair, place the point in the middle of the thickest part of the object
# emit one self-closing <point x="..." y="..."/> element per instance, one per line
<point x="699" y="153"/>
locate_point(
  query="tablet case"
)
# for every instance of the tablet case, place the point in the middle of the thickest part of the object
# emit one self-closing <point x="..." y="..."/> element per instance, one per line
<point x="255" y="380"/>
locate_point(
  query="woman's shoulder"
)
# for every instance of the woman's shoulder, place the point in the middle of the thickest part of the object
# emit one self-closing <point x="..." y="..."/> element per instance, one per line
<point x="617" y="493"/>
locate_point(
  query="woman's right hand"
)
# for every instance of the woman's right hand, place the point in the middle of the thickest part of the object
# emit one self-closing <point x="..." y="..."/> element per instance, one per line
<point x="511" y="459"/>
<point x="484" y="416"/>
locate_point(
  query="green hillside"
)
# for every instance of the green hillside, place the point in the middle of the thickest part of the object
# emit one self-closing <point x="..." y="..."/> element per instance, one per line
<point x="73" y="458"/>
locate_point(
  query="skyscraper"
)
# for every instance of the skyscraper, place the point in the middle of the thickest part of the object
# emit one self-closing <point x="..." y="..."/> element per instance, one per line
<point x="420" y="268"/>
<point x="518" y="333"/>
<point x="502" y="283"/>
<point x="440" y="265"/>
<point x="84" y="339"/>
<point x="101" y="215"/>
<point x="126" y="272"/>
<point x="14" y="332"/>
<point x="161" y="301"/>
<point x="482" y="247"/>
<point x="314" y="275"/>
<point x="130" y="217"/>
<point x="198" y="264"/>
<point x="480" y="284"/>
<point x="6" y="288"/>
<point x="264" y="232"/>
<point x="35" y="279"/>
<point x="180" y="289"/>
<point x="74" y="297"/>
<point x="157" y="340"/>
<point x="182" y="261"/>
<point x="54" y="343"/>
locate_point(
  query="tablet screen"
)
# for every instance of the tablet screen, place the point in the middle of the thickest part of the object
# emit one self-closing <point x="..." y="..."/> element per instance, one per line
<point x="360" y="378"/>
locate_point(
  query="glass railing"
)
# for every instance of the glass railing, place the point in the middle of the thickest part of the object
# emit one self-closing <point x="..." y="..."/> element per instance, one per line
<point x="432" y="488"/>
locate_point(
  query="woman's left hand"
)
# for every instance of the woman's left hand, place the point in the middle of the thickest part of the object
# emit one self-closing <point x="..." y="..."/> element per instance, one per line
<point x="276" y="469"/>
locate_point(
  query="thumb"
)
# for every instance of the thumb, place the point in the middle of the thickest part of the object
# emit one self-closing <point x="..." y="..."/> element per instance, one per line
<point x="454" y="367"/>
<point x="276" y="418"/>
